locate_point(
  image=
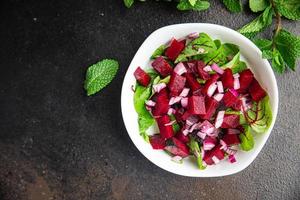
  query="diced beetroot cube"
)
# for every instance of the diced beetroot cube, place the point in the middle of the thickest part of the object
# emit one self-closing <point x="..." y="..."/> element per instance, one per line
<point x="212" y="80"/>
<point x="227" y="78"/>
<point x="162" y="103"/>
<point x="162" y="66"/>
<point x="245" y="79"/>
<point x="186" y="115"/>
<point x="217" y="152"/>
<point x="232" y="131"/>
<point x="211" y="106"/>
<point x="157" y="142"/>
<point x="142" y="77"/>
<point x="230" y="99"/>
<point x="176" y="84"/>
<point x="191" y="67"/>
<point x="202" y="74"/>
<point x="183" y="138"/>
<point x="231" y="139"/>
<point x="181" y="146"/>
<point x="175" y="49"/>
<point x="165" y="131"/>
<point x="196" y="105"/>
<point x="256" y="91"/>
<point x="192" y="82"/>
<point x="230" y="121"/>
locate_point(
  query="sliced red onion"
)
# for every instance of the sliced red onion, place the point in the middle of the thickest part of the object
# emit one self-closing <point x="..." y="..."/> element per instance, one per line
<point x="246" y="106"/>
<point x="202" y="153"/>
<point x="150" y="103"/>
<point x="215" y="159"/>
<point x="174" y="100"/>
<point x="194" y="127"/>
<point x="208" y="145"/>
<point x="177" y="159"/>
<point x="237" y="75"/>
<point x="223" y="144"/>
<point x="191" y="120"/>
<point x="211" y="89"/>
<point x="236" y="83"/>
<point x="232" y="131"/>
<point x="148" y="108"/>
<point x="185" y="92"/>
<point x="180" y="69"/>
<point x="218" y="97"/>
<point x="158" y="87"/>
<point x="207" y="128"/>
<point x="230" y="151"/>
<point x="170" y="123"/>
<point x="232" y="159"/>
<point x="219" y="119"/>
<point x="193" y="35"/>
<point x="171" y="111"/>
<point x="217" y="69"/>
<point x="234" y="92"/>
<point x="220" y="87"/>
<point x="185" y="132"/>
<point x="201" y="135"/>
<point x="215" y="133"/>
<point x="207" y="68"/>
<point x="184" y="102"/>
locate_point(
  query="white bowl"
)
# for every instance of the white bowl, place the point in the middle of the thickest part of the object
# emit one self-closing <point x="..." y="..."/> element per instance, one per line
<point x="250" y="53"/>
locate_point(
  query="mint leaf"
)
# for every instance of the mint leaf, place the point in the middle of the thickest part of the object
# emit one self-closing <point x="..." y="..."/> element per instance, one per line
<point x="233" y="5"/>
<point x="247" y="140"/>
<point x="258" y="5"/>
<point x="288" y="46"/>
<point x="100" y="75"/>
<point x="199" y="5"/>
<point x="267" y="54"/>
<point x="258" y="24"/>
<point x="128" y="3"/>
<point x="263" y="44"/>
<point x="193" y="2"/>
<point x="277" y="61"/>
<point x="289" y="8"/>
<point x="159" y="51"/>
<point x="194" y="146"/>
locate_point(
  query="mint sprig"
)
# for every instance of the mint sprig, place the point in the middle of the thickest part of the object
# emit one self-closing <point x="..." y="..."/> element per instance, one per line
<point x="100" y="75"/>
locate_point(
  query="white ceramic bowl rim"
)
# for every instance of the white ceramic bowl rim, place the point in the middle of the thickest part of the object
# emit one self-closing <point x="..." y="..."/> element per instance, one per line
<point x="262" y="71"/>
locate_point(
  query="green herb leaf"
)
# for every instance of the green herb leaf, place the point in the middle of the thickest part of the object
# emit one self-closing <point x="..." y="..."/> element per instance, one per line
<point x="128" y="3"/>
<point x="277" y="61"/>
<point x="159" y="51"/>
<point x="194" y="146"/>
<point x="258" y="5"/>
<point x="263" y="44"/>
<point x="247" y="140"/>
<point x="289" y="47"/>
<point x="235" y="64"/>
<point x="289" y="8"/>
<point x="145" y="120"/>
<point x="233" y="5"/>
<point x="267" y="54"/>
<point x="193" y="2"/>
<point x="258" y="24"/>
<point x="199" y="5"/>
<point x="100" y="75"/>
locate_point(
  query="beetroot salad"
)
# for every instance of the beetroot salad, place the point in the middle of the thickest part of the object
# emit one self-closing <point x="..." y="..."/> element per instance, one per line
<point x="205" y="101"/>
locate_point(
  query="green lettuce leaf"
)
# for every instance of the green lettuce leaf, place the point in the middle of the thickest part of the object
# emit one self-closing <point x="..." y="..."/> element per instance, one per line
<point x="194" y="146"/>
<point x="159" y="51"/>
<point x="247" y="140"/>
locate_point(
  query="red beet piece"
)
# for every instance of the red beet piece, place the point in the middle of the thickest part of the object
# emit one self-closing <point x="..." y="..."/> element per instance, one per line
<point x="245" y="79"/>
<point x="212" y="79"/>
<point x="229" y="99"/>
<point x="176" y="84"/>
<point x="230" y="121"/>
<point x="178" y="114"/>
<point x="142" y="77"/>
<point x="202" y="74"/>
<point x="191" y="67"/>
<point x="196" y="105"/>
<point x="186" y="115"/>
<point x="256" y="91"/>
<point x="211" y="106"/>
<point x="183" y="138"/>
<point x="157" y="142"/>
<point x="232" y="131"/>
<point x="192" y="82"/>
<point x="162" y="66"/>
<point x="177" y="148"/>
<point x="175" y="49"/>
<point x="217" y="152"/>
<point x="227" y="78"/>
<point x="231" y="139"/>
<point x="165" y="131"/>
<point x="162" y="103"/>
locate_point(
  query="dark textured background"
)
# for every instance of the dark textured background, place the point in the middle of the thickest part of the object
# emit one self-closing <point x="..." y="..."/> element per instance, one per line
<point x="56" y="143"/>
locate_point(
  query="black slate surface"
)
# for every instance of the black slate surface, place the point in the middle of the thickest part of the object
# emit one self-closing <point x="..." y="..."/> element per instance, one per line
<point x="56" y="143"/>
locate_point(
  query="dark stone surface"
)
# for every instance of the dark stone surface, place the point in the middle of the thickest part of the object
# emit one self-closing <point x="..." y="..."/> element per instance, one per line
<point x="56" y="143"/>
